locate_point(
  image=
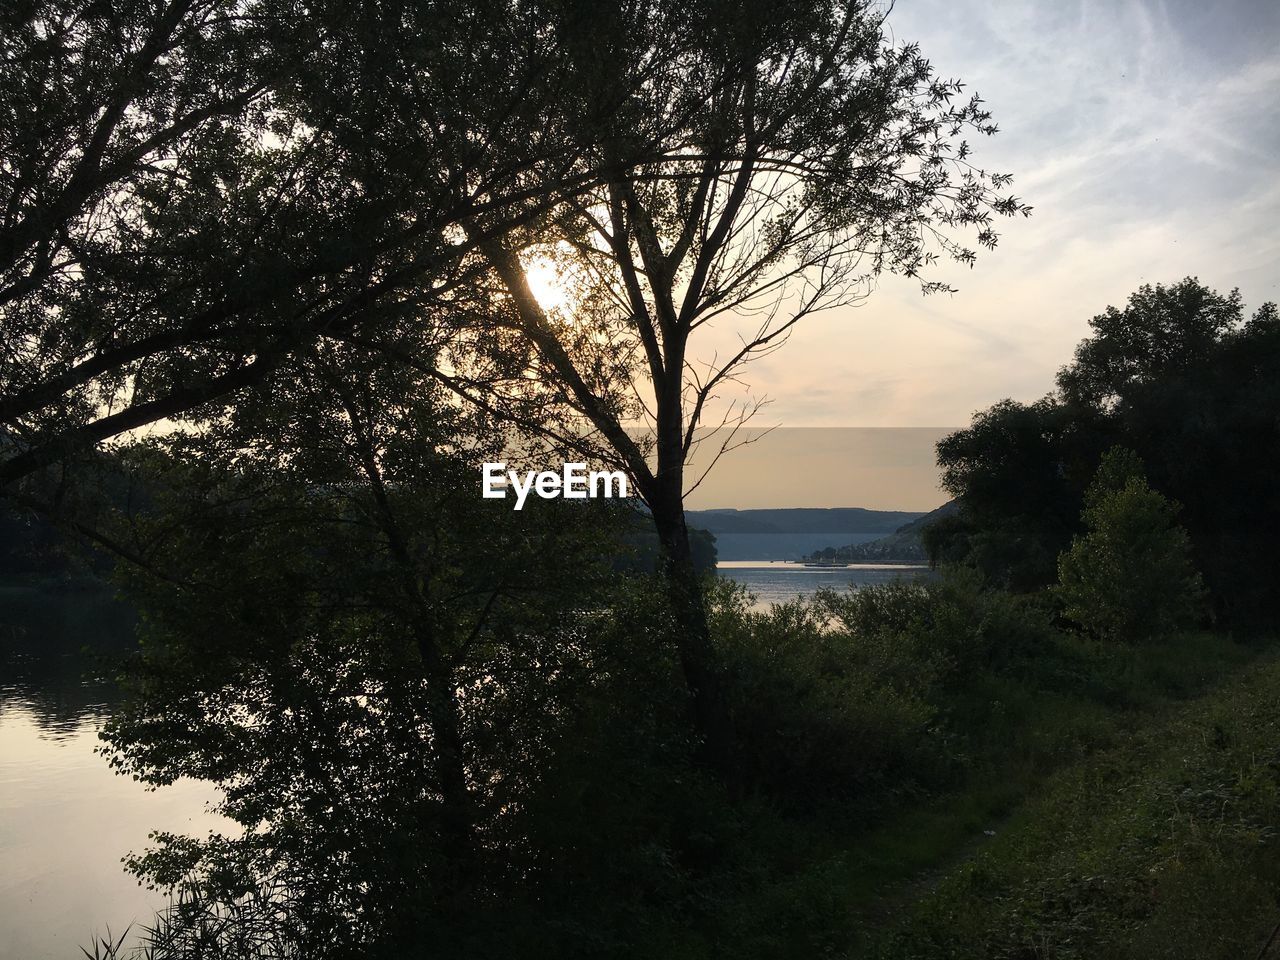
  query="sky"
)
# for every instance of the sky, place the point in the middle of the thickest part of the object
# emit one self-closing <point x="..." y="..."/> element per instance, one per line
<point x="879" y="468"/>
<point x="1146" y="135"/>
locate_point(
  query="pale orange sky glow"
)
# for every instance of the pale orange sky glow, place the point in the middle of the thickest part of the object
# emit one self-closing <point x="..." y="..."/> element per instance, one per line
<point x="1145" y="135"/>
<point x="876" y="468"/>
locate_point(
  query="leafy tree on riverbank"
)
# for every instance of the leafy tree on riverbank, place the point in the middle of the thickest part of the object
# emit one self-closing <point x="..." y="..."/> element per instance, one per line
<point x="369" y="660"/>
<point x="232" y="186"/>
<point x="810" y="156"/>
<point x="196" y="192"/>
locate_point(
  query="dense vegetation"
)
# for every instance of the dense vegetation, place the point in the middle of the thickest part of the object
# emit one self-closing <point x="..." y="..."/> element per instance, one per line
<point x="881" y="736"/>
<point x="1160" y="846"/>
<point x="941" y="769"/>
<point x="298" y="241"/>
<point x="1180" y="377"/>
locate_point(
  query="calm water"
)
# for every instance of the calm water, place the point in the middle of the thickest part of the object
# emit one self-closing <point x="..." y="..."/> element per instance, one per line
<point x="779" y="581"/>
<point x="66" y="820"/>
<point x="740" y="547"/>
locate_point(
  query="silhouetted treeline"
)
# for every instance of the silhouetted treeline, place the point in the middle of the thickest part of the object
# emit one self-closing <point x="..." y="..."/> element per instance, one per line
<point x="1181" y="377"/>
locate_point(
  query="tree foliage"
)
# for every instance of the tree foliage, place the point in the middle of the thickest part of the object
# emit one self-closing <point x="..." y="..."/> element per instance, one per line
<point x="371" y="662"/>
<point x="197" y="190"/>
<point x="798" y="155"/>
<point x="1129" y="577"/>
<point x="1182" y="378"/>
<point x="298" y="239"/>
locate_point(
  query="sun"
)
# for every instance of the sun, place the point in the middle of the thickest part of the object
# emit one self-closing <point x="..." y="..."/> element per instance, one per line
<point x="547" y="284"/>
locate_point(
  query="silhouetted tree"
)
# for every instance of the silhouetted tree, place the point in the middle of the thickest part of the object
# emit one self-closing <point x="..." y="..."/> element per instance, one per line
<point x="1182" y="378"/>
<point x="801" y="156"/>
<point x="364" y="656"/>
<point x="1016" y="471"/>
<point x="194" y="190"/>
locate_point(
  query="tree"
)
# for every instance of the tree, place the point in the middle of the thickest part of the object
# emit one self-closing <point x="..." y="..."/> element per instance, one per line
<point x="92" y="96"/>
<point x="1016" y="472"/>
<point x="1188" y="381"/>
<point x="688" y="163"/>
<point x="1183" y="378"/>
<point x="801" y="156"/>
<point x="1129" y="577"/>
<point x="195" y="190"/>
<point x="99" y="100"/>
<point x="368" y="660"/>
<point x="1163" y="332"/>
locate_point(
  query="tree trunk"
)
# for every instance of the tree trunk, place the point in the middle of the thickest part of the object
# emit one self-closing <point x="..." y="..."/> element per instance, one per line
<point x="450" y="754"/>
<point x="693" y="638"/>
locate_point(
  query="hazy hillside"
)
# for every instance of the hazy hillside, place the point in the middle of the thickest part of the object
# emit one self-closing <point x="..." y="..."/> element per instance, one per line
<point x="801" y="520"/>
<point x="904" y="545"/>
<point x="791" y="533"/>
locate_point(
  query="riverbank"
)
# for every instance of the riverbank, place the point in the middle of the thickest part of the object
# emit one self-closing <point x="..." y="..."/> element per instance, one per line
<point x="1113" y="803"/>
<point x="938" y="772"/>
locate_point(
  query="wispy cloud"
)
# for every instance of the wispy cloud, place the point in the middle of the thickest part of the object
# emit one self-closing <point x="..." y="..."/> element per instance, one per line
<point x="1146" y="134"/>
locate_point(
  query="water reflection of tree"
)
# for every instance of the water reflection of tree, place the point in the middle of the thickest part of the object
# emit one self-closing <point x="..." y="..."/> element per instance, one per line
<point x="60" y="643"/>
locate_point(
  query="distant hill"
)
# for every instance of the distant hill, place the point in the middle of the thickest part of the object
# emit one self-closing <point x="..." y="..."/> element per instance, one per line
<point x="904" y="545"/>
<point x="790" y="533"/>
<point x="801" y="520"/>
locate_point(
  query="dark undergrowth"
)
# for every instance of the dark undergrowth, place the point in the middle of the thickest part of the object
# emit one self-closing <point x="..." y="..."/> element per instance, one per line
<point x="924" y="771"/>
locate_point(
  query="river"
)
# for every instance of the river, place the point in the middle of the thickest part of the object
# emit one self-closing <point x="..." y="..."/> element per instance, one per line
<point x="777" y="581"/>
<point x="66" y="819"/>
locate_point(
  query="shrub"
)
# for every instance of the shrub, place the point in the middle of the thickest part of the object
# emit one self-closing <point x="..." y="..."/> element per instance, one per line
<point x="815" y="715"/>
<point x="1130" y="577"/>
<point x="848" y="695"/>
<point x="946" y="630"/>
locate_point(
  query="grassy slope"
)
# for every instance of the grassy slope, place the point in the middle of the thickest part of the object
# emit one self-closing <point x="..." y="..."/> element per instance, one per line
<point x="1087" y="827"/>
<point x="1162" y="845"/>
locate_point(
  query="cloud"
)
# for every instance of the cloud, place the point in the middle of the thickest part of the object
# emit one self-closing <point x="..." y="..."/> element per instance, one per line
<point x="1146" y="134"/>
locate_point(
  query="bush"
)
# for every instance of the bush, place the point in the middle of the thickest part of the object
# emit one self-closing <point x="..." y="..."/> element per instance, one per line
<point x="817" y="714"/>
<point x="1130" y="578"/>
<point x="946" y="630"/>
<point x="848" y="695"/>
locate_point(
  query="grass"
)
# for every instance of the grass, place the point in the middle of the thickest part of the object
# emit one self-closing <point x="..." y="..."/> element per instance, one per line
<point x="1162" y="845"/>
<point x="985" y="867"/>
